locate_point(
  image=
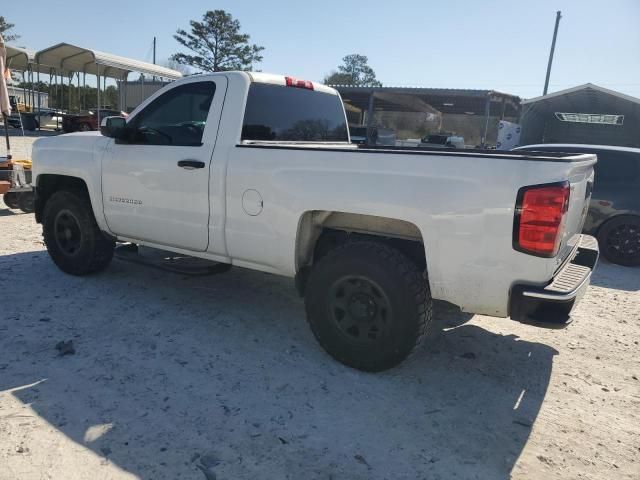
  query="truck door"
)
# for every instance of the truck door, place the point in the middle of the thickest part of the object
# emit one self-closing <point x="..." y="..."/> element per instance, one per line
<point x="155" y="179"/>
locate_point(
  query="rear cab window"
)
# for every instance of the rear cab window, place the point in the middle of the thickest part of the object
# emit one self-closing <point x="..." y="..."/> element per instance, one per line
<point x="289" y="114"/>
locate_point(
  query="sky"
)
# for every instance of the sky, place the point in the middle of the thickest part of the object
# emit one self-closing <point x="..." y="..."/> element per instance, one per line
<point x="485" y="44"/>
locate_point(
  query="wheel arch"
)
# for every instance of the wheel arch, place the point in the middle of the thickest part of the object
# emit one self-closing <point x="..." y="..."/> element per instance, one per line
<point x="629" y="213"/>
<point x="48" y="184"/>
<point x="319" y="231"/>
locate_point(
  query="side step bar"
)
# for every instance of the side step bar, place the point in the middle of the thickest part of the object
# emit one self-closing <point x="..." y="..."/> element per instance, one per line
<point x="168" y="261"/>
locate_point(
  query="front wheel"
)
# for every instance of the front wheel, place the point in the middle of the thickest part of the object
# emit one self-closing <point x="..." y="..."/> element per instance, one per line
<point x="72" y="236"/>
<point x="368" y="305"/>
<point x="11" y="200"/>
<point x="84" y="127"/>
<point x="26" y="202"/>
<point x="619" y="240"/>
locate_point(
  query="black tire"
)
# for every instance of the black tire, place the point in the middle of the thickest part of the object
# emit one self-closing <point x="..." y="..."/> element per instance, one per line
<point x="368" y="305"/>
<point x="72" y="236"/>
<point x="619" y="240"/>
<point x="11" y="199"/>
<point x="84" y="127"/>
<point x="26" y="202"/>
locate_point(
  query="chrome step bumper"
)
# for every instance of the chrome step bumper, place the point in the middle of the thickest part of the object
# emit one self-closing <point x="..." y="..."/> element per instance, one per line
<point x="554" y="302"/>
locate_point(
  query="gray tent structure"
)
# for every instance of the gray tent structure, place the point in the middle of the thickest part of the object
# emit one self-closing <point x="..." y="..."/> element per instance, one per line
<point x="584" y="114"/>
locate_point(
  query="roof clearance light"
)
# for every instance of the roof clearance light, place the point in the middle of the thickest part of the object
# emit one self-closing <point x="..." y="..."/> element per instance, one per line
<point x="294" y="82"/>
<point x="598" y="118"/>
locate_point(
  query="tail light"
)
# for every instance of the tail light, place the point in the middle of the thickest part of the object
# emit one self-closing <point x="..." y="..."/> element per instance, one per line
<point x="294" y="82"/>
<point x="539" y="218"/>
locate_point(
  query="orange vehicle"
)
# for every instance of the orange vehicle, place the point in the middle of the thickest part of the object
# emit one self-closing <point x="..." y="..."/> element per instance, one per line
<point x="15" y="180"/>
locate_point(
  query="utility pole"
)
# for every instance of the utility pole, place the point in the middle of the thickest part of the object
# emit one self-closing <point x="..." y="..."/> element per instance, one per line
<point x="553" y="47"/>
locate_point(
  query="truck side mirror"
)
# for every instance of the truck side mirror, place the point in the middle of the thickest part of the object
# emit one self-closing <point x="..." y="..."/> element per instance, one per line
<point x="113" y="127"/>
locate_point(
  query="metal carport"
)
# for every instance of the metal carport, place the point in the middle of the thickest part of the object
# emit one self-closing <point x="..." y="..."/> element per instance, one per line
<point x="23" y="60"/>
<point x="584" y="114"/>
<point x="451" y="101"/>
<point x="71" y="59"/>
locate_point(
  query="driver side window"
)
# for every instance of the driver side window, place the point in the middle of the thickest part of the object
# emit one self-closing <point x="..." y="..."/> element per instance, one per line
<point x="176" y="118"/>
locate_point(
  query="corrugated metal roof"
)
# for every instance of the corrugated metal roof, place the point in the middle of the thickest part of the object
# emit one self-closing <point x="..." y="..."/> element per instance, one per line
<point x="422" y="99"/>
<point x="586" y="86"/>
<point x="19" y="58"/>
<point x="467" y="92"/>
<point x="65" y="57"/>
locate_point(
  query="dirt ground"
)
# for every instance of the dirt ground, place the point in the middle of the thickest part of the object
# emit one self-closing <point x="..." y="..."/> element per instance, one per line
<point x="219" y="378"/>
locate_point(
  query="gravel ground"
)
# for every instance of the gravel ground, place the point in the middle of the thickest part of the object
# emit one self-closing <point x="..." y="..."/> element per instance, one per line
<point x="219" y="377"/>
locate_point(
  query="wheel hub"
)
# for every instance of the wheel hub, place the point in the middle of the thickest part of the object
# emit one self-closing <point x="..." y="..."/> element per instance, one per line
<point x="67" y="232"/>
<point x="362" y="306"/>
<point x="360" y="309"/>
<point x="625" y="240"/>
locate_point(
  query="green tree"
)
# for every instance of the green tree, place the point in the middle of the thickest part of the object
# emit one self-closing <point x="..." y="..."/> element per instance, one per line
<point x="355" y="70"/>
<point x="337" y="78"/>
<point x="111" y="97"/>
<point x="173" y="65"/>
<point x="217" y="44"/>
<point x="5" y="27"/>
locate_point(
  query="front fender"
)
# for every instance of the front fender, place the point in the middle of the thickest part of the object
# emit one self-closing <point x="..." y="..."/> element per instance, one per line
<point x="76" y="155"/>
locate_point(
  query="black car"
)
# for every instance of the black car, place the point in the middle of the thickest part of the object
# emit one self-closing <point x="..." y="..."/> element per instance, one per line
<point x="614" y="212"/>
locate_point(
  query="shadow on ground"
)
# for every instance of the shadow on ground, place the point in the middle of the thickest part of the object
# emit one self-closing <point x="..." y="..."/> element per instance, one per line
<point x="180" y="375"/>
<point x="8" y="212"/>
<point x="608" y="275"/>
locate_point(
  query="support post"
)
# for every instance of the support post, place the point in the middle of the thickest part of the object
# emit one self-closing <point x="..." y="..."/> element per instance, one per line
<point x="98" y="84"/>
<point x="487" y="113"/>
<point x="32" y="97"/>
<point x="70" y="85"/>
<point x="25" y="80"/>
<point x="370" y="117"/>
<point x="123" y="93"/>
<point x="39" y="101"/>
<point x="62" y="90"/>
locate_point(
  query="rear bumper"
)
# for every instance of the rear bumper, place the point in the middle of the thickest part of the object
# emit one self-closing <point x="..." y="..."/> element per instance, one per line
<point x="553" y="303"/>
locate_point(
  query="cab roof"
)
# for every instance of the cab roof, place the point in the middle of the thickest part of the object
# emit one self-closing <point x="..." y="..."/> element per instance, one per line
<point x="270" y="78"/>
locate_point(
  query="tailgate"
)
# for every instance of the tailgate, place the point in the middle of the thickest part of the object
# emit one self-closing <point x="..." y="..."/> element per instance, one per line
<point x="581" y="180"/>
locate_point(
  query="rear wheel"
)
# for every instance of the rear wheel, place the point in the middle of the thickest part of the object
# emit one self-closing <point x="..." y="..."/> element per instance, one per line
<point x="72" y="236"/>
<point x="619" y="240"/>
<point x="11" y="199"/>
<point x="84" y="127"/>
<point x="26" y="202"/>
<point x="368" y="305"/>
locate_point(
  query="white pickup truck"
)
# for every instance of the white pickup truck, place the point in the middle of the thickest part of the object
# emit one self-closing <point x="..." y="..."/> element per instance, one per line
<point x="257" y="170"/>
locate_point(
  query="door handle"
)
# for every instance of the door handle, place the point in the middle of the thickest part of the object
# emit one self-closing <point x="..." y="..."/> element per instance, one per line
<point x="190" y="164"/>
